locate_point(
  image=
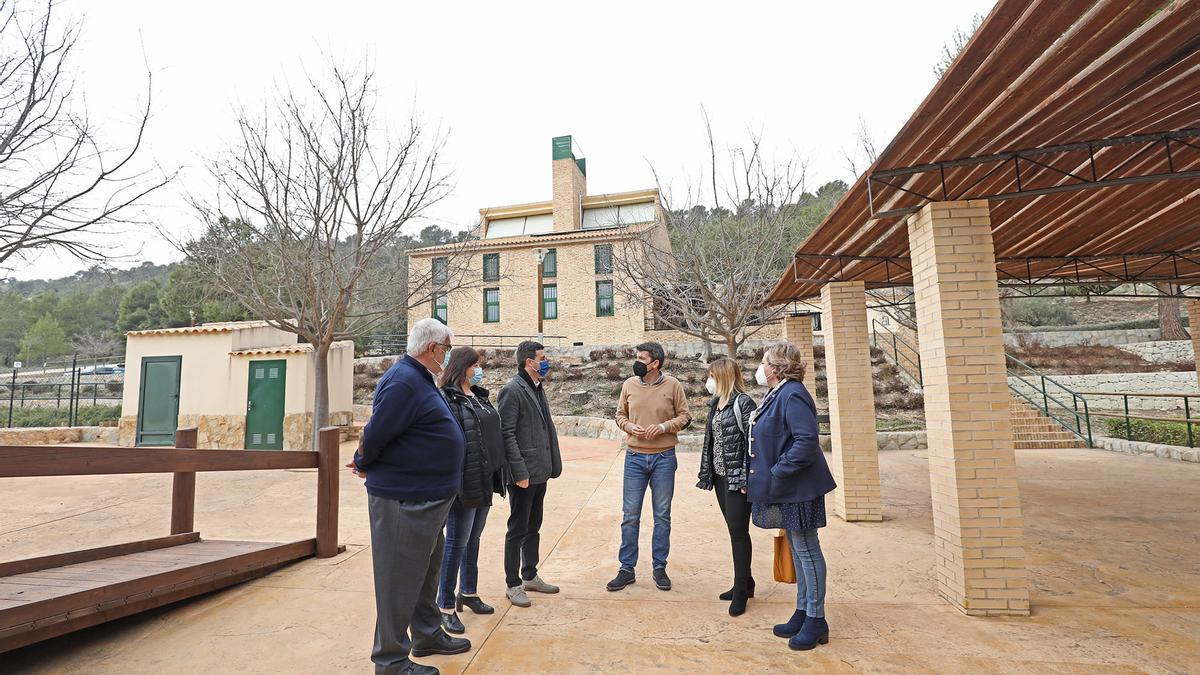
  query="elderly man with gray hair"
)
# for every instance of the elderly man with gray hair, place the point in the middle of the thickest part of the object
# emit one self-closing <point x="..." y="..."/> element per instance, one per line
<point x="412" y="456"/>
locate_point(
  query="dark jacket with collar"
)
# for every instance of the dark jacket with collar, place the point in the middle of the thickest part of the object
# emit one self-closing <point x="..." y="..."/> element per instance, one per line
<point x="725" y="422"/>
<point x="480" y="477"/>
<point x="786" y="462"/>
<point x="413" y="447"/>
<point x="530" y="440"/>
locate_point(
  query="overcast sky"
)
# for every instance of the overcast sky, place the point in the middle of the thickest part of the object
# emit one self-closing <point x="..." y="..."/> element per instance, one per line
<point x="627" y="79"/>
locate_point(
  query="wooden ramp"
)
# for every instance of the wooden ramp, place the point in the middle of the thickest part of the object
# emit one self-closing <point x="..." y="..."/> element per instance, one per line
<point x="48" y="596"/>
<point x="53" y="599"/>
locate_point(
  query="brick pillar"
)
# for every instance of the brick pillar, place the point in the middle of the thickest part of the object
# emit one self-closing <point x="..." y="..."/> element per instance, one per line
<point x="798" y="331"/>
<point x="1193" y="312"/>
<point x="851" y="401"/>
<point x="977" y="523"/>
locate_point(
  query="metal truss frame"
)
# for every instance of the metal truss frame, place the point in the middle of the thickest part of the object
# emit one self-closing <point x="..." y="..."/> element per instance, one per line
<point x="1014" y="160"/>
<point x="1099" y="275"/>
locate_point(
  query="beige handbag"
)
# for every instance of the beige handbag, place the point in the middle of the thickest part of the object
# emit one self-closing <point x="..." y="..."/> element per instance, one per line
<point x="785" y="569"/>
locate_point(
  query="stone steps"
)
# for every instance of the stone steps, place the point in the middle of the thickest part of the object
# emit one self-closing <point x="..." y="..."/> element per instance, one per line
<point x="1032" y="430"/>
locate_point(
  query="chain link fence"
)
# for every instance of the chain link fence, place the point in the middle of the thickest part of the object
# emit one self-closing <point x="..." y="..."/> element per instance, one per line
<point x="65" y="392"/>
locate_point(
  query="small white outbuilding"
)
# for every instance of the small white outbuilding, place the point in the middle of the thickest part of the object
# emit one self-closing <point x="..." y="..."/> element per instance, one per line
<point x="243" y="384"/>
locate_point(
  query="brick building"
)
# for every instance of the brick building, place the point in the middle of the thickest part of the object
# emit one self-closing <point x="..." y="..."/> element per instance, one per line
<point x="575" y="235"/>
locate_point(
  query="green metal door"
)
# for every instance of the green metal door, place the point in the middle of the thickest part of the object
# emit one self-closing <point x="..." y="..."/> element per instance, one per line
<point x="158" y="402"/>
<point x="264" y="405"/>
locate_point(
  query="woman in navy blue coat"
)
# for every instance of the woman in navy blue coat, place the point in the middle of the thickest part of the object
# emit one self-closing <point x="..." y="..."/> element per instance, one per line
<point x="787" y="484"/>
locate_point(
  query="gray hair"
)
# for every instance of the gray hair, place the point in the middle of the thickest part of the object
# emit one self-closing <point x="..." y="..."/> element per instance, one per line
<point x="426" y="333"/>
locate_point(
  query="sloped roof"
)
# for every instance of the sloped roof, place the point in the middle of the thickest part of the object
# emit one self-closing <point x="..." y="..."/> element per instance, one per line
<point x="1040" y="73"/>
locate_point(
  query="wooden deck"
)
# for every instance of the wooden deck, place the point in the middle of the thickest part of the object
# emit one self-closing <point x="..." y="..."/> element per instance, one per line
<point x="48" y="596"/>
<point x="45" y="603"/>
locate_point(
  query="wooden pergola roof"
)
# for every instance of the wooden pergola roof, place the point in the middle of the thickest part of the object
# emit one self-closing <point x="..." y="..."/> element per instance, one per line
<point x="1079" y="120"/>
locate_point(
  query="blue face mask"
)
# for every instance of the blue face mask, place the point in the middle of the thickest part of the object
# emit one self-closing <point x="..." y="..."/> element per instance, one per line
<point x="477" y="377"/>
<point x="446" y="361"/>
<point x="543" y="368"/>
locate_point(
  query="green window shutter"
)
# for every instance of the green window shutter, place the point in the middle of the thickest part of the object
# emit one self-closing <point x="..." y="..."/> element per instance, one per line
<point x="604" y="299"/>
<point x="604" y="258"/>
<point x="550" y="263"/>
<point x="550" y="301"/>
<point x="491" y="305"/>
<point x="491" y="267"/>
<point x="441" y="307"/>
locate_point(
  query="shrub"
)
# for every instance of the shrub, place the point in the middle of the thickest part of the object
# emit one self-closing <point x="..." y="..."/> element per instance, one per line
<point x="1149" y="431"/>
<point x="360" y="369"/>
<point x="385" y="365"/>
<point x="614" y="373"/>
<point x="596" y="355"/>
<point x="88" y="416"/>
<point x="1040" y="311"/>
<point x="573" y="374"/>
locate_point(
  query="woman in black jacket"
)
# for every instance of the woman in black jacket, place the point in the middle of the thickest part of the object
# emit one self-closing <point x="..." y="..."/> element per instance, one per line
<point x="482" y="477"/>
<point x="723" y="465"/>
<point x="788" y="482"/>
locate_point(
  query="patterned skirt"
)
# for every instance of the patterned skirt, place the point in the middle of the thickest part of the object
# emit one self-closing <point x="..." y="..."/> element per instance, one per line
<point x="808" y="515"/>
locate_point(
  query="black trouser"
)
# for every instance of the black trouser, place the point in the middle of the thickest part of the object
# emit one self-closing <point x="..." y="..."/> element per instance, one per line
<point x="736" y="510"/>
<point x="524" y="532"/>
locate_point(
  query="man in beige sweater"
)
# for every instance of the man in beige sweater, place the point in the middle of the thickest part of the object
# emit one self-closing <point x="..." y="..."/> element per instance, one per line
<point x="651" y="411"/>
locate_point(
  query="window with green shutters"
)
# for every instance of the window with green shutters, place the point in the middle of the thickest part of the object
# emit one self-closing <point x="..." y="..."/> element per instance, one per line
<point x="604" y="299"/>
<point x="550" y="263"/>
<point x="441" y="307"/>
<point x="441" y="270"/>
<point x="491" y="267"/>
<point x="491" y="305"/>
<point x="604" y="258"/>
<point x="550" y="301"/>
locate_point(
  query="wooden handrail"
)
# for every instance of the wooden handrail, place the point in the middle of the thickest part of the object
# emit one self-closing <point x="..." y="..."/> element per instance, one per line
<point x="184" y="460"/>
<point x="19" y="461"/>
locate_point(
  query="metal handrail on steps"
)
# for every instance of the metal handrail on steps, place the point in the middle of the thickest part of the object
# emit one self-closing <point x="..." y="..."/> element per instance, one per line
<point x="910" y="362"/>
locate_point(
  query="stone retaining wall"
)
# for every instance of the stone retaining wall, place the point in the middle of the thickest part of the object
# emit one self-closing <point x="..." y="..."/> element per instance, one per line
<point x="1183" y="382"/>
<point x="1162" y="352"/>
<point x="1152" y="449"/>
<point x="1104" y="338"/>
<point x="58" y="435"/>
<point x="598" y="427"/>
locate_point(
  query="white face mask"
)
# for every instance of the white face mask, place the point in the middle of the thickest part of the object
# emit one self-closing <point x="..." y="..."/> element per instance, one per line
<point x="760" y="376"/>
<point x="711" y="386"/>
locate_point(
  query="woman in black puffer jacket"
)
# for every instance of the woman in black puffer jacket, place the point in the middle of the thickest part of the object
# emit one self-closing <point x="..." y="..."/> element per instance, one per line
<point x="723" y="465"/>
<point x="482" y="477"/>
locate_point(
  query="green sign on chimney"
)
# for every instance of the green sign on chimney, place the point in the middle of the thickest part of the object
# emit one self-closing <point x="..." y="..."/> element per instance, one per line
<point x="562" y="147"/>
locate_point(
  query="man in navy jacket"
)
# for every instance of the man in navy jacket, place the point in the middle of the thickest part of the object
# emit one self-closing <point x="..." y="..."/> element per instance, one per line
<point x="411" y="455"/>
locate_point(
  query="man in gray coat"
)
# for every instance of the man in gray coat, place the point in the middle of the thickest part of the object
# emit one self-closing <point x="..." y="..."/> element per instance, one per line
<point x="531" y="449"/>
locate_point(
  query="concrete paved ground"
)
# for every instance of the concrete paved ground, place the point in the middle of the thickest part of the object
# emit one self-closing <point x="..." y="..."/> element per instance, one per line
<point x="1113" y="544"/>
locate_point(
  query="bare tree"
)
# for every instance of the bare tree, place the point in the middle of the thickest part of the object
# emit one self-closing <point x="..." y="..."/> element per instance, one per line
<point x="95" y="345"/>
<point x="60" y="182"/>
<point x="708" y="274"/>
<point x="864" y="146"/>
<point x="306" y="228"/>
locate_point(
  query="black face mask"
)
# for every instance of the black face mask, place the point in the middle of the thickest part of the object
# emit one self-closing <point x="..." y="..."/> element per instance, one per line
<point x="639" y="369"/>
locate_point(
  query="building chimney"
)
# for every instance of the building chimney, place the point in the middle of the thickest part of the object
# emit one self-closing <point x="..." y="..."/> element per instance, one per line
<point x="569" y="171"/>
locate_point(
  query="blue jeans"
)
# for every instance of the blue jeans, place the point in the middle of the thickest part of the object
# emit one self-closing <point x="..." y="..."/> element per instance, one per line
<point x="656" y="471"/>
<point x="460" y="561"/>
<point x="810" y="572"/>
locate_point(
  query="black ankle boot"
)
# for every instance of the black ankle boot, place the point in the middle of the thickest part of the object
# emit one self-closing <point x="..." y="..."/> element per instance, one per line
<point x="728" y="595"/>
<point x="473" y="603"/>
<point x="738" y="605"/>
<point x="793" y="626"/>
